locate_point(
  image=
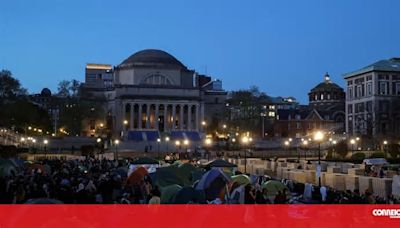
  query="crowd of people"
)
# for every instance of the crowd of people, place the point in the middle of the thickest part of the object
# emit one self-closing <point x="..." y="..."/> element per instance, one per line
<point x="92" y="181"/>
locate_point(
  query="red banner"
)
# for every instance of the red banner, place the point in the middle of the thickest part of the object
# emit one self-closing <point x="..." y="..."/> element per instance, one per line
<point x="322" y="216"/>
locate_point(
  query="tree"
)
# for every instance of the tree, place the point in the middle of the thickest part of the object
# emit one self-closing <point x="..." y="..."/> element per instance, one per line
<point x="74" y="87"/>
<point x="64" y="88"/>
<point x="9" y="86"/>
<point x="342" y="149"/>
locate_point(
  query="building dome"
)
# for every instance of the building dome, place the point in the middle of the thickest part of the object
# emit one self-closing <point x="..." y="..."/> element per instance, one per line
<point x="326" y="86"/>
<point x="152" y="57"/>
<point x="45" y="92"/>
<point x="326" y="93"/>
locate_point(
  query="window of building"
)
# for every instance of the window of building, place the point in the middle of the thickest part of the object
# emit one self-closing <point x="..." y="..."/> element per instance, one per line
<point x="369" y="106"/>
<point x="383" y="106"/>
<point x="349" y="108"/>
<point x="298" y="125"/>
<point x="322" y="96"/>
<point x="369" y="89"/>
<point x="156" y="79"/>
<point x="298" y="117"/>
<point x="271" y="114"/>
<point x="383" y="88"/>
<point x="397" y="88"/>
<point x="350" y="93"/>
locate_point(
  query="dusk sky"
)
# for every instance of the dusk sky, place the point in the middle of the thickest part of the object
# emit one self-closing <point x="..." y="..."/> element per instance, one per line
<point x="284" y="47"/>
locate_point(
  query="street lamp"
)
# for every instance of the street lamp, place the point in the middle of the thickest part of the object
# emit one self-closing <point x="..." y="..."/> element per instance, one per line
<point x="319" y="136"/>
<point x="333" y="149"/>
<point x="384" y="147"/>
<point x="245" y="141"/>
<point x="305" y="143"/>
<point x="158" y="149"/>
<point x="45" y="142"/>
<point x="352" y="142"/>
<point x="167" y="140"/>
<point x="186" y="143"/>
<point x="178" y="145"/>
<point x="116" y="142"/>
<point x="208" y="143"/>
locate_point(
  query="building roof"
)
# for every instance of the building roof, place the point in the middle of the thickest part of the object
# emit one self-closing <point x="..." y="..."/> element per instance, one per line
<point x="326" y="86"/>
<point x="392" y="64"/>
<point x="152" y="57"/>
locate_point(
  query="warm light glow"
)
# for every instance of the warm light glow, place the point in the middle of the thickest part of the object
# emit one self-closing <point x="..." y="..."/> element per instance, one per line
<point x="116" y="142"/>
<point x="22" y="139"/>
<point x="385" y="142"/>
<point x="334" y="142"/>
<point x="186" y="142"/>
<point x="208" y="141"/>
<point x="251" y="139"/>
<point x="305" y="142"/>
<point x="98" y="140"/>
<point x="101" y="125"/>
<point x="158" y="140"/>
<point x="125" y="122"/>
<point x="357" y="138"/>
<point x="203" y="123"/>
<point x="233" y="140"/>
<point x="29" y="128"/>
<point x="167" y="139"/>
<point x="318" y="136"/>
<point x="330" y="139"/>
<point x="224" y="126"/>
<point x="45" y="141"/>
<point x="286" y="143"/>
<point x="34" y="140"/>
<point x="177" y="142"/>
<point x="245" y="140"/>
<point x="352" y="141"/>
<point x="290" y="139"/>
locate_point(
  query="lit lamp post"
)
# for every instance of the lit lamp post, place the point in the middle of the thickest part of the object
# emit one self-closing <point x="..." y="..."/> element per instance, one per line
<point x="45" y="142"/>
<point x="158" y="148"/>
<point x="204" y="124"/>
<point x="208" y="143"/>
<point x="167" y="141"/>
<point x="178" y="145"/>
<point x="245" y="141"/>
<point x="186" y="143"/>
<point x="352" y="142"/>
<point x="384" y="147"/>
<point x="333" y="148"/>
<point x="116" y="143"/>
<point x="318" y="137"/>
<point x="98" y="140"/>
<point x="305" y="143"/>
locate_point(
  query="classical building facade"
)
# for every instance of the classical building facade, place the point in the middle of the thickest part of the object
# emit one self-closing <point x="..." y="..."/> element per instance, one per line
<point x="373" y="99"/>
<point x="153" y="93"/>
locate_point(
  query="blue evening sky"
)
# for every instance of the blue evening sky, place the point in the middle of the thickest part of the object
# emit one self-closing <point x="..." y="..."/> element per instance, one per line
<point x="284" y="47"/>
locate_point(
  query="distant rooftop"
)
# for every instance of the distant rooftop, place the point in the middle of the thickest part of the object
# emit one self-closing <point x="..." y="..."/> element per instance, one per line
<point x="392" y="64"/>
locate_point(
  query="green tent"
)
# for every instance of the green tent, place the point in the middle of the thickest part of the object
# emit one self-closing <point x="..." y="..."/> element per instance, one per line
<point x="144" y="161"/>
<point x="168" y="176"/>
<point x="241" y="179"/>
<point x="273" y="187"/>
<point x="168" y="193"/>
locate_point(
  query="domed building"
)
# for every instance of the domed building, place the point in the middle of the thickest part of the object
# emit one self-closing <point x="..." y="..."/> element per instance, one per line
<point x="153" y="94"/>
<point x="326" y="94"/>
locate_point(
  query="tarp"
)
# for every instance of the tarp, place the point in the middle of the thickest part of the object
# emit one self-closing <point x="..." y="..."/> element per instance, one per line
<point x="188" y="195"/>
<point x="241" y="179"/>
<point x="136" y="176"/>
<point x="168" y="193"/>
<point x="375" y="161"/>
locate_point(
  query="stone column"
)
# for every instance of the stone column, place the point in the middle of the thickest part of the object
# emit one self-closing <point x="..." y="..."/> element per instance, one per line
<point x="196" y="114"/>
<point x="132" y="117"/>
<point x="202" y="113"/>
<point x="189" y="123"/>
<point x="140" y="116"/>
<point x="156" y="116"/>
<point x="165" y="117"/>
<point x="173" y="116"/>
<point x="181" y="117"/>
<point x="147" y="116"/>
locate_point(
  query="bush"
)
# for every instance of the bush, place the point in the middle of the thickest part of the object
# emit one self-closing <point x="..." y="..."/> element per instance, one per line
<point x="358" y="156"/>
<point x="394" y="150"/>
<point x="341" y="149"/>
<point x="377" y="155"/>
